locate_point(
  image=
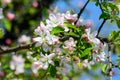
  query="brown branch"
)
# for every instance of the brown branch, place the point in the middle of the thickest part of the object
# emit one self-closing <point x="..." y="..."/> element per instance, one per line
<point x="81" y="11"/>
<point x="101" y="27"/>
<point x="110" y="61"/>
<point x="14" y="49"/>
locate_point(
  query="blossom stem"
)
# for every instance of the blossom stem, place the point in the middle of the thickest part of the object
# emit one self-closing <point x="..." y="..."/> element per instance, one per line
<point x="110" y="61"/>
<point x="81" y="11"/>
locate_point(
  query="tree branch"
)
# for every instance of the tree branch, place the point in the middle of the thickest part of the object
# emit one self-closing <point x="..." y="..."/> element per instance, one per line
<point x="101" y="27"/>
<point x="14" y="49"/>
<point x="110" y="61"/>
<point x="100" y="6"/>
<point x="81" y="11"/>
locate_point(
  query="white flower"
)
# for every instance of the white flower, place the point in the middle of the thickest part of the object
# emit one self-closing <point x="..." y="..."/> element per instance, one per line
<point x="87" y="64"/>
<point x="36" y="66"/>
<point x="99" y="57"/>
<point x="46" y="47"/>
<point x="24" y="39"/>
<point x="17" y="64"/>
<point x="70" y="17"/>
<point x="70" y="44"/>
<point x="39" y="41"/>
<point x="51" y="39"/>
<point x="92" y="36"/>
<point x="47" y="59"/>
<point x="42" y="30"/>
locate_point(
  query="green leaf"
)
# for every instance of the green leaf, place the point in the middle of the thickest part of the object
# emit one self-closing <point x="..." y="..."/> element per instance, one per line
<point x="104" y="16"/>
<point x="86" y="53"/>
<point x="69" y="25"/>
<point x="118" y="23"/>
<point x="72" y="34"/>
<point x="52" y="70"/>
<point x="57" y="30"/>
<point x="104" y="68"/>
<point x="1" y="33"/>
<point x="118" y="60"/>
<point x="7" y="24"/>
<point x="57" y="63"/>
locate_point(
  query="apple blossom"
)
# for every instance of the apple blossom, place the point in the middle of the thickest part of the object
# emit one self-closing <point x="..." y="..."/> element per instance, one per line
<point x="10" y="15"/>
<point x="17" y="64"/>
<point x="70" y="44"/>
<point x="24" y="39"/>
<point x="71" y="18"/>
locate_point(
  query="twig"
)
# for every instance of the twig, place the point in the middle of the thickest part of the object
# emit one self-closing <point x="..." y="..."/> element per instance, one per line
<point x="100" y="6"/>
<point x="101" y="27"/>
<point x="110" y="61"/>
<point x="81" y="11"/>
<point x="14" y="49"/>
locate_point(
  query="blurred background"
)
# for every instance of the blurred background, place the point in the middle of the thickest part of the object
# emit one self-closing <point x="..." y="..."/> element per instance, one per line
<point x="23" y="16"/>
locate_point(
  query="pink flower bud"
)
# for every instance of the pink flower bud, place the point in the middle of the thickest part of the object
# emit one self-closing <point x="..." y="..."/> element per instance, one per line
<point x="89" y="41"/>
<point x="84" y="35"/>
<point x="10" y="16"/>
<point x="113" y="72"/>
<point x="89" y="24"/>
<point x="35" y="4"/>
<point x="8" y="41"/>
<point x="2" y="74"/>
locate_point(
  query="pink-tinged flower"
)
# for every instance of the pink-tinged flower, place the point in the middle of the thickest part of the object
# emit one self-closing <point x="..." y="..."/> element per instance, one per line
<point x="71" y="17"/>
<point x="51" y="39"/>
<point x="35" y="4"/>
<point x="39" y="41"/>
<point x="8" y="41"/>
<point x="88" y="24"/>
<point x="70" y="44"/>
<point x="36" y="66"/>
<point x="46" y="47"/>
<point x="1" y="13"/>
<point x="17" y="64"/>
<point x="24" y="39"/>
<point x="42" y="30"/>
<point x="92" y="36"/>
<point x="10" y="15"/>
<point x="46" y="60"/>
<point x="99" y="56"/>
<point x="80" y="22"/>
<point x="87" y="64"/>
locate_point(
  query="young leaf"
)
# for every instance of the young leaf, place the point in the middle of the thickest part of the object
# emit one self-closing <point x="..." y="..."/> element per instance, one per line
<point x="57" y="30"/>
<point x="104" y="68"/>
<point x="118" y="23"/>
<point x="104" y="16"/>
<point x="1" y="33"/>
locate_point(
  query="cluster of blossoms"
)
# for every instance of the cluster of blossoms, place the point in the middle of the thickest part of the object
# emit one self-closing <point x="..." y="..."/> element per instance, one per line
<point x="60" y="39"/>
